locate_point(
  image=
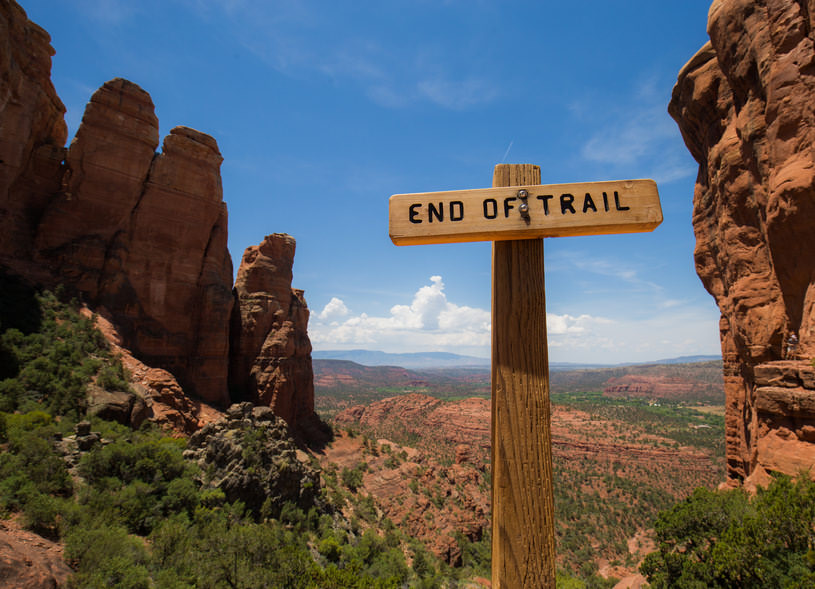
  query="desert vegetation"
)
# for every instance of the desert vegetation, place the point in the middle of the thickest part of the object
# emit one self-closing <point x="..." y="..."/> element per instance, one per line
<point x="131" y="511"/>
<point x="731" y="539"/>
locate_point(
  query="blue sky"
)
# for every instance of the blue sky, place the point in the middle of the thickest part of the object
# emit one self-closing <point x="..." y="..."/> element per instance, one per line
<point x="322" y="110"/>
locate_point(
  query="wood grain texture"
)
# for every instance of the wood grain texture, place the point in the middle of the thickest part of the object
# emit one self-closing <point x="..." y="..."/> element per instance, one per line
<point x="523" y="539"/>
<point x="554" y="210"/>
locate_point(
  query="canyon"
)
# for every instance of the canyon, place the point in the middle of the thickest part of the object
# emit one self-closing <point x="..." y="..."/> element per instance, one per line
<point x="616" y="462"/>
<point x="135" y="227"/>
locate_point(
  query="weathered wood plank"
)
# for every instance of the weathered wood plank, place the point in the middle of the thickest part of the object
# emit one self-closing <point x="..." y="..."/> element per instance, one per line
<point x="554" y="210"/>
<point x="523" y="538"/>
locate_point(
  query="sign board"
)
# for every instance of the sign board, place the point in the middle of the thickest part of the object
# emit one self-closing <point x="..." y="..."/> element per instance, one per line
<point x="525" y="212"/>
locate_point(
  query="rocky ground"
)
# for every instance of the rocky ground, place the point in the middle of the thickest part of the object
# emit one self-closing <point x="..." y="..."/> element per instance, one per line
<point x="29" y="561"/>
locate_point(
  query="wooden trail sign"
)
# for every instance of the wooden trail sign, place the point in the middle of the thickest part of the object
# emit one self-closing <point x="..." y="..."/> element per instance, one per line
<point x="524" y="212"/>
<point x="523" y="527"/>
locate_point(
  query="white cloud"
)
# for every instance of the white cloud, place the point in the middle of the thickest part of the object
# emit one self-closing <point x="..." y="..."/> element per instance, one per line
<point x="335" y="309"/>
<point x="667" y="333"/>
<point x="429" y="322"/>
<point x="568" y="325"/>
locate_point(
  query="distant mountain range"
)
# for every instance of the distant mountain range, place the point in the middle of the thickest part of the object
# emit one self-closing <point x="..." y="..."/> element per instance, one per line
<point x="416" y="360"/>
<point x="426" y="360"/>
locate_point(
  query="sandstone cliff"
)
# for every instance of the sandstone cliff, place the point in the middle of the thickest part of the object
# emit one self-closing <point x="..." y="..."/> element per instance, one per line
<point x="141" y="237"/>
<point x="144" y="236"/>
<point x="744" y="105"/>
<point x="32" y="131"/>
<point x="271" y="353"/>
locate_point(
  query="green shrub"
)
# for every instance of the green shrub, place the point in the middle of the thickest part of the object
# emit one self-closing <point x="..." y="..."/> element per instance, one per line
<point x="107" y="557"/>
<point x="727" y="539"/>
<point x="48" y="359"/>
<point x="330" y="548"/>
<point x="112" y="377"/>
<point x="351" y="478"/>
<point x="40" y="515"/>
<point x="138" y="483"/>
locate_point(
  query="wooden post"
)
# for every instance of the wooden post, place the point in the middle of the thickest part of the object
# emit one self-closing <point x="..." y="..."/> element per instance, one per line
<point x="523" y="512"/>
<point x="523" y="537"/>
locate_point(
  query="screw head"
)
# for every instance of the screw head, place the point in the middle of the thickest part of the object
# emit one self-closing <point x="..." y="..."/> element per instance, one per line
<point x="523" y="208"/>
<point x="523" y="194"/>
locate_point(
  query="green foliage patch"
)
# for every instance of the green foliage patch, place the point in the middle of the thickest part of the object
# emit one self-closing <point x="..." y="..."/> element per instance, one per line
<point x="729" y="539"/>
<point x="49" y="353"/>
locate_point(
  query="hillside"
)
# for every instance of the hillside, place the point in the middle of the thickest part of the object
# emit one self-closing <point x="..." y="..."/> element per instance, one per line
<point x="616" y="463"/>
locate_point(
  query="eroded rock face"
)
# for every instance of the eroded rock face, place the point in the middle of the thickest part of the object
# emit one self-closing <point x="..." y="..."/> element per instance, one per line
<point x="744" y="104"/>
<point x="271" y="351"/>
<point x="156" y="395"/>
<point x="141" y="237"/>
<point x="144" y="235"/>
<point x="32" y="131"/>
<point x="29" y="561"/>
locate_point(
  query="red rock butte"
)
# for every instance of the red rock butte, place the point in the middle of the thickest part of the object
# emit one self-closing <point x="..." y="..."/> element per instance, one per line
<point x="745" y="104"/>
<point x="141" y="236"/>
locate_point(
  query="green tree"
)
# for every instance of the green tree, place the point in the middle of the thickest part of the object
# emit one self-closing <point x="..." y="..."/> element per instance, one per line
<point x="727" y="539"/>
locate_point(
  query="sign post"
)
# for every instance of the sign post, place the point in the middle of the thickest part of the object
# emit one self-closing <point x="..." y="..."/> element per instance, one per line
<point x="514" y="215"/>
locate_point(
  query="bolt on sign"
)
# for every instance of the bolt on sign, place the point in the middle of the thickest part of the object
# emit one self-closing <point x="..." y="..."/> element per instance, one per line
<point x="514" y="215"/>
<point x="556" y="210"/>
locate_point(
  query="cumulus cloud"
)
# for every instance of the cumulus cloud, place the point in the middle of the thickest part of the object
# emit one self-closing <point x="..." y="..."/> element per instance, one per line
<point x="335" y="309"/>
<point x="429" y="322"/>
<point x="569" y="325"/>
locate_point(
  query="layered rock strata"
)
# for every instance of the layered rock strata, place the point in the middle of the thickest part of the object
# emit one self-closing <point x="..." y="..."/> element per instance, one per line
<point x="744" y="105"/>
<point x="144" y="236"/>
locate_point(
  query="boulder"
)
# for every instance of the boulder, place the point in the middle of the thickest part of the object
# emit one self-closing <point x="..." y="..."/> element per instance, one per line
<point x="250" y="456"/>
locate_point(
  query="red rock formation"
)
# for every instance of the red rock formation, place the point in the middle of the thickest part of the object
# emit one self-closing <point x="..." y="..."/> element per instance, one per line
<point x="426" y="500"/>
<point x="139" y="233"/>
<point x="271" y="352"/>
<point x="32" y="131"/>
<point x="144" y="236"/>
<point x="744" y="104"/>
<point x="156" y="396"/>
<point x="141" y="236"/>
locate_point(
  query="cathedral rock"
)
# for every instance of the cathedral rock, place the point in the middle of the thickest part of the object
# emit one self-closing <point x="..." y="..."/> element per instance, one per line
<point x="745" y="104"/>
<point x="140" y="236"/>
